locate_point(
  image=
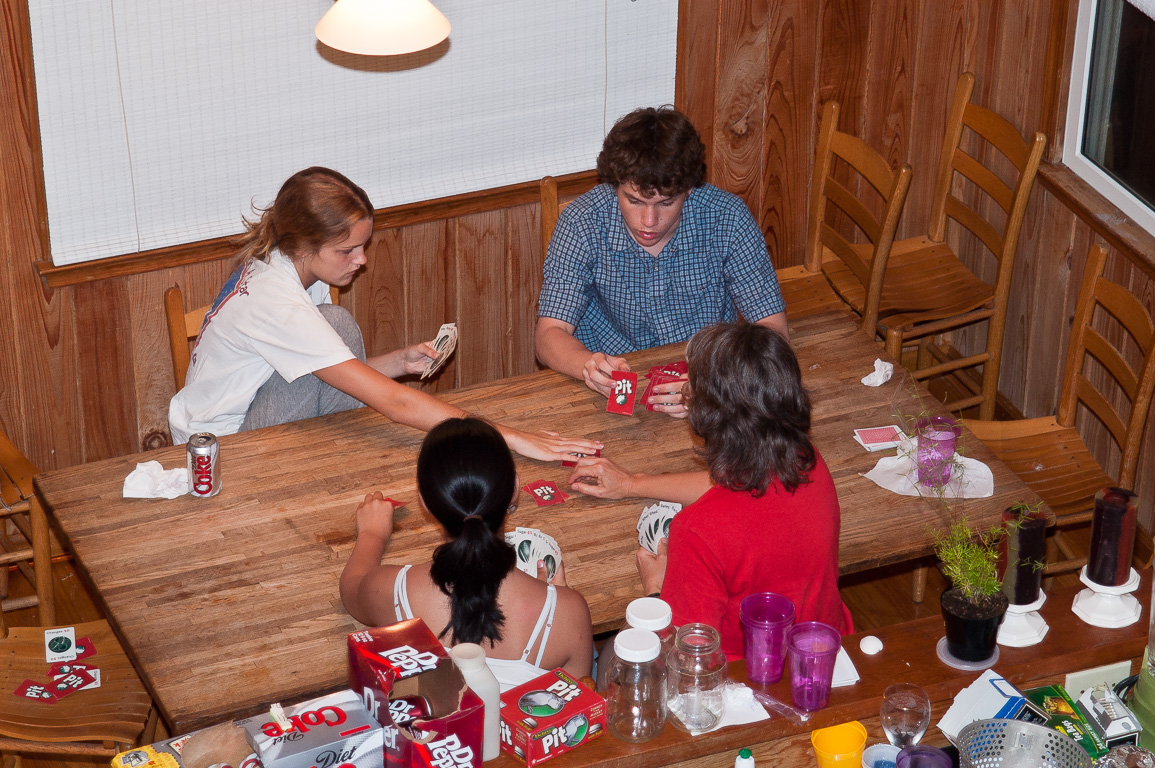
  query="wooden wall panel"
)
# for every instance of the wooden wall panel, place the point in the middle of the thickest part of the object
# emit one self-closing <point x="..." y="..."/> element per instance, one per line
<point x="889" y="71"/>
<point x="695" y="82"/>
<point x="431" y="290"/>
<point x="523" y="284"/>
<point x="153" y="379"/>
<point x="844" y="34"/>
<point x="377" y="296"/>
<point x="481" y="298"/>
<point x="106" y="382"/>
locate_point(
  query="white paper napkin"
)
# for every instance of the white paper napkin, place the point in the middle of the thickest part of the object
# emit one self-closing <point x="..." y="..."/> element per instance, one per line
<point x="971" y="479"/>
<point x="741" y="707"/>
<point x="882" y="373"/>
<point x="152" y="481"/>
<point x="845" y="673"/>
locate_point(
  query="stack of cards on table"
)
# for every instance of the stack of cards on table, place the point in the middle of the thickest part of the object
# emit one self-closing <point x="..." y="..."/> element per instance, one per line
<point x="625" y="391"/>
<point x="532" y="545"/>
<point x="445" y="343"/>
<point x="878" y="438"/>
<point x="67" y="672"/>
<point x="654" y="524"/>
<point x="545" y="493"/>
<point x="663" y="374"/>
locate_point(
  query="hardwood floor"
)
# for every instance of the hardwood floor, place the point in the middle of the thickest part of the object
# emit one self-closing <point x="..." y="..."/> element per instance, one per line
<point x="876" y="599"/>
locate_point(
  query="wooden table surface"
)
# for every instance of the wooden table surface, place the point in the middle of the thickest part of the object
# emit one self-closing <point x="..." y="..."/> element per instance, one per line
<point x="231" y="603"/>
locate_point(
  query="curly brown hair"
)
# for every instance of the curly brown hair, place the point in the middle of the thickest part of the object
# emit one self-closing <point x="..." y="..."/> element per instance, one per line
<point x="656" y="149"/>
<point x="748" y="405"/>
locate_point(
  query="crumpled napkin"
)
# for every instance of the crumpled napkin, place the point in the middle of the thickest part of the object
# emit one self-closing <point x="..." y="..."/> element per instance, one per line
<point x="152" y="481"/>
<point x="971" y="480"/>
<point x="882" y="373"/>
<point x="741" y="707"/>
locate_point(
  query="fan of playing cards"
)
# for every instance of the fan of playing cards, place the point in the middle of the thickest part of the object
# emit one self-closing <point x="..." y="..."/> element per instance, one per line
<point x="532" y="545"/>
<point x="654" y="524"/>
<point x="445" y="343"/>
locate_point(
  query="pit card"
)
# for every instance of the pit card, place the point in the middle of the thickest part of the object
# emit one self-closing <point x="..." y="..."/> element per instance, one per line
<point x="84" y="648"/>
<point x="654" y="524"/>
<point x="657" y="378"/>
<point x="445" y="343"/>
<point x="34" y="691"/>
<point x="568" y="463"/>
<point x="545" y="493"/>
<point x="63" y="670"/>
<point x="60" y="645"/>
<point x="625" y="391"/>
<point x="71" y="683"/>
<point x="396" y="504"/>
<point x="532" y="545"/>
<point x="878" y="438"/>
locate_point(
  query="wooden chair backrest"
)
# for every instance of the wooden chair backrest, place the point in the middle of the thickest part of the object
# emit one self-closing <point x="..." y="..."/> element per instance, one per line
<point x="1137" y="383"/>
<point x="184" y="327"/>
<point x="891" y="185"/>
<point x="1012" y="198"/>
<point x="17" y="499"/>
<point x="550" y="210"/>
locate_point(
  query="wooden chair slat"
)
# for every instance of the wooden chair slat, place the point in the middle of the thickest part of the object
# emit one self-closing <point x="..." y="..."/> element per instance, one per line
<point x="984" y="179"/>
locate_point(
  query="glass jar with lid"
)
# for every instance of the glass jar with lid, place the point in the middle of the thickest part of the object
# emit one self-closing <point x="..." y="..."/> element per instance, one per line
<point x="636" y="687"/>
<point x="695" y="674"/>
<point x="654" y="614"/>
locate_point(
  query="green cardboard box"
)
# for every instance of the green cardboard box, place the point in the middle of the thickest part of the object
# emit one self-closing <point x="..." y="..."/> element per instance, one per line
<point x="1064" y="717"/>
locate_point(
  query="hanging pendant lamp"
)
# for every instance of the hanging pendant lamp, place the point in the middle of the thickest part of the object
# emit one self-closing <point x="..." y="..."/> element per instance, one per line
<point x="382" y="27"/>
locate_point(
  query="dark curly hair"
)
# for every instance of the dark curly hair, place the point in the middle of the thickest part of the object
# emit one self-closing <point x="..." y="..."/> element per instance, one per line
<point x="466" y="477"/>
<point x="657" y="150"/>
<point x="747" y="403"/>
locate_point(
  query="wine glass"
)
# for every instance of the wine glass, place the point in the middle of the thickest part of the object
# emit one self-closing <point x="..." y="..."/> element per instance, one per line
<point x="905" y="714"/>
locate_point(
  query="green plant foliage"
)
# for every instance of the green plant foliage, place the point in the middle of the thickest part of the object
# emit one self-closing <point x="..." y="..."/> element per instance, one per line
<point x="969" y="559"/>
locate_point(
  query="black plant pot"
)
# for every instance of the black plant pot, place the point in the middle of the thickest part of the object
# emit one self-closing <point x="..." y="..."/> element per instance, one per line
<point x="972" y="624"/>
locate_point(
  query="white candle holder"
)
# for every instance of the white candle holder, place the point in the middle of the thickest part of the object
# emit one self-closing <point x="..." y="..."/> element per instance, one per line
<point x="1023" y="626"/>
<point x="1107" y="607"/>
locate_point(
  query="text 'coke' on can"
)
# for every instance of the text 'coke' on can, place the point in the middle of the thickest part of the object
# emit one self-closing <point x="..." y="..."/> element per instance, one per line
<point x="204" y="465"/>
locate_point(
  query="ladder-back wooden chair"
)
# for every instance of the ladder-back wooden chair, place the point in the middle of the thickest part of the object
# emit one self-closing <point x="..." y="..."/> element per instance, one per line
<point x="25" y="541"/>
<point x="827" y="247"/>
<point x="927" y="290"/>
<point x="1047" y="452"/>
<point x="550" y="210"/>
<point x="184" y="327"/>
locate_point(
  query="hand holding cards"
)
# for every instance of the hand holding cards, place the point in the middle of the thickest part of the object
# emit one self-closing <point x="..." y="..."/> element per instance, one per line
<point x="532" y="545"/>
<point x="654" y="524"/>
<point x="445" y="343"/>
<point x="663" y="374"/>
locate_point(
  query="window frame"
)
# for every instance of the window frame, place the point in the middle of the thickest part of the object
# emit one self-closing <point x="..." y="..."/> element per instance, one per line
<point x="1073" y="156"/>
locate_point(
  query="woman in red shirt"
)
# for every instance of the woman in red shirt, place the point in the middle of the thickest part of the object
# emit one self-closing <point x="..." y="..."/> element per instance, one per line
<point x="765" y="518"/>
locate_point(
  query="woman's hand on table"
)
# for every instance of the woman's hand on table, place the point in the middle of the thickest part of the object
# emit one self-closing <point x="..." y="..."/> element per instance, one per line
<point x="375" y="516"/>
<point x="546" y="446"/>
<point x="652" y="568"/>
<point x="558" y="575"/>
<point x="668" y="399"/>
<point x="598" y="372"/>
<point x="610" y="480"/>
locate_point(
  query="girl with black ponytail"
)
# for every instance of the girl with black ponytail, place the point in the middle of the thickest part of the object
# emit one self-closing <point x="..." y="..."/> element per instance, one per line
<point x="471" y="591"/>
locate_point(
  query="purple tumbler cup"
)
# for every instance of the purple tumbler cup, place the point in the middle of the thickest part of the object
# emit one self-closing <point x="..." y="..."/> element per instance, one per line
<point x="766" y="618"/>
<point x="813" y="647"/>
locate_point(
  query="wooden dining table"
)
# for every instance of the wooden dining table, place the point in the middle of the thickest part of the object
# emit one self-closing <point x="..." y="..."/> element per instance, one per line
<point x="230" y="603"/>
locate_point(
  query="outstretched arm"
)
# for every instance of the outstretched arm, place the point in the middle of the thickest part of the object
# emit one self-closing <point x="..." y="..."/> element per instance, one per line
<point x="364" y="577"/>
<point x="613" y="482"/>
<point x="558" y="348"/>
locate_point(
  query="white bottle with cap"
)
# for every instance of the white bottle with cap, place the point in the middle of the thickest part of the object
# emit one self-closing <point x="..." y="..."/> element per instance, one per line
<point x="470" y="659"/>
<point x="745" y="759"/>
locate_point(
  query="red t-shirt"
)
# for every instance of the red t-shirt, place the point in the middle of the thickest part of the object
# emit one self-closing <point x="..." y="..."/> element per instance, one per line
<point x="728" y="545"/>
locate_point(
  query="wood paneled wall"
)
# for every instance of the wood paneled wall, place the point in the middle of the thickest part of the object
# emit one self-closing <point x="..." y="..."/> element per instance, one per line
<point x="753" y="76"/>
<point x="84" y="371"/>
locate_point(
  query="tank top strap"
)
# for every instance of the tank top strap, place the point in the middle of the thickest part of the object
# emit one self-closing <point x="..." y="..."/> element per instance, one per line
<point x="543" y="626"/>
<point x="401" y="595"/>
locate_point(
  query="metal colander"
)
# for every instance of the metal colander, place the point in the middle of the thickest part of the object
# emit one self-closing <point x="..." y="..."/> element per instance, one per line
<point x="1014" y="744"/>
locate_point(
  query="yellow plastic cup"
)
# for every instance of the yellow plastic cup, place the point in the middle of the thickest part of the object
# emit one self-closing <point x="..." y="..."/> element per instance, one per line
<point x="839" y="746"/>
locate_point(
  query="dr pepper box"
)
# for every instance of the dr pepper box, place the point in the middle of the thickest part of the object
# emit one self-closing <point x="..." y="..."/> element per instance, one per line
<point x="549" y="716"/>
<point x="429" y="716"/>
<point x="330" y="731"/>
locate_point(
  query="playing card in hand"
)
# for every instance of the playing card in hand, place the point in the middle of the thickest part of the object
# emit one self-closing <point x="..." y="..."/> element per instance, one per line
<point x="532" y="545"/>
<point x="625" y="390"/>
<point x="445" y="343"/>
<point x="654" y="524"/>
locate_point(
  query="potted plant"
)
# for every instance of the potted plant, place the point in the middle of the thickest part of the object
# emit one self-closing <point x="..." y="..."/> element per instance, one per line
<point x="974" y="605"/>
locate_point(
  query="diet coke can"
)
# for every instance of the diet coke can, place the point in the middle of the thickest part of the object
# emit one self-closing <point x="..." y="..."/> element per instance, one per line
<point x="204" y="466"/>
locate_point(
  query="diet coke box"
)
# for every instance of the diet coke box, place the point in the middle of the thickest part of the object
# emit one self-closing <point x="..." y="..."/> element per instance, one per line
<point x="549" y="716"/>
<point x="430" y="717"/>
<point x="334" y="730"/>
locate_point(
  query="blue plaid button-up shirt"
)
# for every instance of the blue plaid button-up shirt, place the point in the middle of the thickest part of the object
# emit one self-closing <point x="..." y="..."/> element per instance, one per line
<point x="620" y="298"/>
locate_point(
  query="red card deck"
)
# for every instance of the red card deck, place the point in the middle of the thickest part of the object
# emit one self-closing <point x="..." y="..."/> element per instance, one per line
<point x="573" y="463"/>
<point x="625" y="390"/>
<point x="545" y="493"/>
<point x="663" y="374"/>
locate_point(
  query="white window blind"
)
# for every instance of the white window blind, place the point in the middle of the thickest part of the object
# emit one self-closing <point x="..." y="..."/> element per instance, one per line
<point x="162" y="122"/>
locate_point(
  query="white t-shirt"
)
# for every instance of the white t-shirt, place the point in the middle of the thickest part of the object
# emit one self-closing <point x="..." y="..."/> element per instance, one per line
<point x="263" y="321"/>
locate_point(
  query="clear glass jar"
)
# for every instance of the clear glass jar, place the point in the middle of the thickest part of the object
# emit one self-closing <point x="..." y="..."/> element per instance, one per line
<point x="636" y="687"/>
<point x="695" y="674"/>
<point x="654" y="614"/>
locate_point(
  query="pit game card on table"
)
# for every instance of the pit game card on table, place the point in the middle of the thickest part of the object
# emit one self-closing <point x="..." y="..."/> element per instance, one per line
<point x="625" y="391"/>
<point x="878" y="438"/>
<point x="34" y="691"/>
<point x="71" y="683"/>
<point x="60" y="645"/>
<point x="545" y="493"/>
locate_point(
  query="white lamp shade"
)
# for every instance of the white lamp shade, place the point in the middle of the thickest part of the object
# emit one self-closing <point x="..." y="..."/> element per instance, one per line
<point x="382" y="27"/>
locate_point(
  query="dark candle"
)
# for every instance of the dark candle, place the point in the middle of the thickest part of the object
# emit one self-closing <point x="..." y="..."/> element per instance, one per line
<point x="1022" y="553"/>
<point x="1112" y="537"/>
